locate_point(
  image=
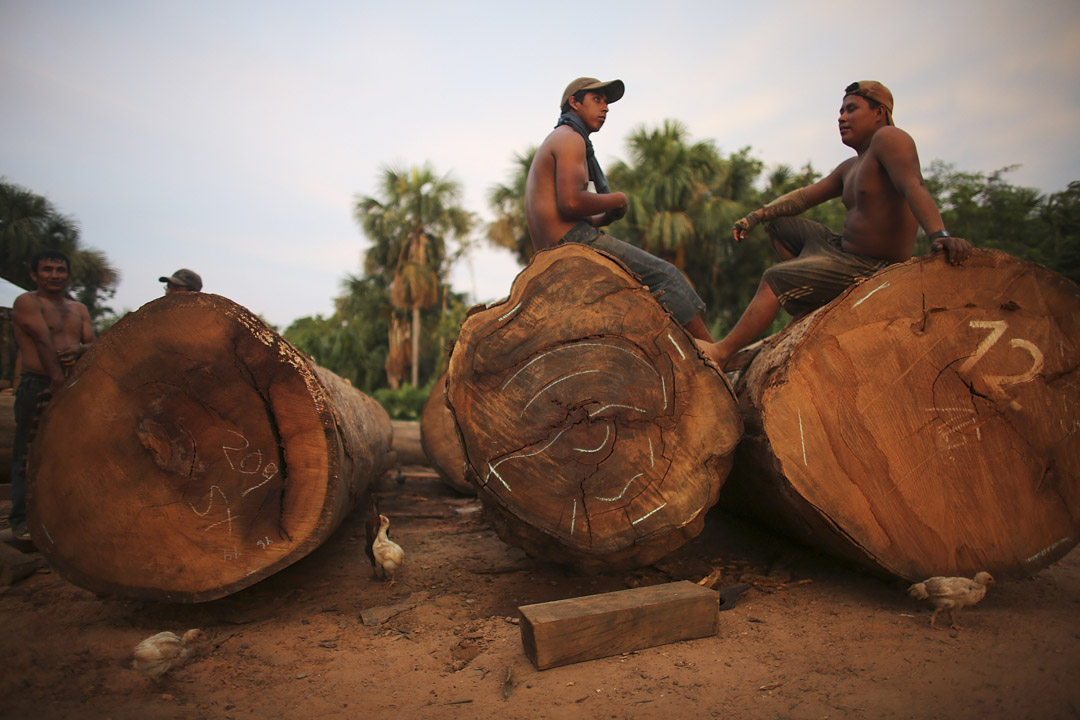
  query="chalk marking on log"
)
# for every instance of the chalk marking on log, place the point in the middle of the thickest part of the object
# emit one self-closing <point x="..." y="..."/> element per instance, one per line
<point x="228" y="519"/>
<point x="491" y="468"/>
<point x="573" y="517"/>
<point x="649" y="514"/>
<point x="652" y="460"/>
<point x="47" y="535"/>
<point x="1045" y="550"/>
<point x="210" y="506"/>
<point x="573" y="347"/>
<point x="681" y="354"/>
<point x="598" y="448"/>
<point x="999" y="382"/>
<point x="492" y="471"/>
<point x="247" y="444"/>
<point x="552" y="384"/>
<point x="268" y="473"/>
<point x="866" y="297"/>
<point x="510" y="312"/>
<point x="228" y="513"/>
<point x="802" y="439"/>
<point x="616" y="405"/>
<point x="950" y="424"/>
<point x="620" y="495"/>
<point x="997" y="328"/>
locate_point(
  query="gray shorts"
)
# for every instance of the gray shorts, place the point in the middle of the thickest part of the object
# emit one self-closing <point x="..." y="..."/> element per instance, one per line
<point x="664" y="280"/>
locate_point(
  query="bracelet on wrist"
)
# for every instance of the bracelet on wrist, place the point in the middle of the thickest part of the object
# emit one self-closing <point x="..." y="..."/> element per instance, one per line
<point x="939" y="234"/>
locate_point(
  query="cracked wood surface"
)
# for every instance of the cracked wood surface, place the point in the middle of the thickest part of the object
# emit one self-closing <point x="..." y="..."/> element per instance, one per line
<point x="593" y="428"/>
<point x="193" y="452"/>
<point x="927" y="422"/>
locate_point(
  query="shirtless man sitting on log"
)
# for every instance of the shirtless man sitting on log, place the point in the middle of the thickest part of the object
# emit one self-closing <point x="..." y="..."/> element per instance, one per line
<point x="560" y="205"/>
<point x="51" y="332"/>
<point x="886" y="199"/>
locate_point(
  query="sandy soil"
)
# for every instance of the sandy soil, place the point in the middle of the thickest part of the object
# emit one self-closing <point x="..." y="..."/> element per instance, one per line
<point x="813" y="638"/>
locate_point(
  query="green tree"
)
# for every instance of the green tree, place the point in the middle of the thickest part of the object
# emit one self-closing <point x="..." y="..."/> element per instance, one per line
<point x="30" y="223"/>
<point x="510" y="229"/>
<point x="683" y="199"/>
<point x="350" y="343"/>
<point x="1061" y="217"/>
<point x="408" y="224"/>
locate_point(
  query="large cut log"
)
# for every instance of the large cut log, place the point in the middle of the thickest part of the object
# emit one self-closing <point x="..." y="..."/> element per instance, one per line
<point x="596" y="433"/>
<point x="441" y="441"/>
<point x="927" y="422"/>
<point x="193" y="452"/>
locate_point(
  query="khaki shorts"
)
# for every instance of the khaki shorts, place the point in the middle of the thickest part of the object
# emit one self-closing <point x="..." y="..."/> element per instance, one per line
<point x="821" y="269"/>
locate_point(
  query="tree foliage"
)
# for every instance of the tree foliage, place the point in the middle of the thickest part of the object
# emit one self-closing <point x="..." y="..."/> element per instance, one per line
<point x="30" y="223"/>
<point x="684" y="196"/>
<point x="510" y="230"/>
<point x="409" y="223"/>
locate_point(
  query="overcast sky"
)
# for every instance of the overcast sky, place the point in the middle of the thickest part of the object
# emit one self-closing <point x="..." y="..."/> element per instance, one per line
<point x="233" y="137"/>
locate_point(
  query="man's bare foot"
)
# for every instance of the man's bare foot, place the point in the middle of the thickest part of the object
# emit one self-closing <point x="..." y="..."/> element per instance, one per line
<point x="712" y="352"/>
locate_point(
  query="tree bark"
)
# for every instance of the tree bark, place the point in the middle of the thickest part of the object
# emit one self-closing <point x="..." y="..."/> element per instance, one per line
<point x="596" y="433"/>
<point x="442" y="444"/>
<point x="923" y="423"/>
<point x="194" y="452"/>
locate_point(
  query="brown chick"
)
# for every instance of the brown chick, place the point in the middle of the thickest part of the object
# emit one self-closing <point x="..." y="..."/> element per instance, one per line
<point x="157" y="653"/>
<point x="388" y="554"/>
<point x="951" y="593"/>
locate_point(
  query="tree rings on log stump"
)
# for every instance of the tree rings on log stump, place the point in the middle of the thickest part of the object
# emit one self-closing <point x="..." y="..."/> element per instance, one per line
<point x="439" y="436"/>
<point x="193" y="452"/>
<point x="597" y="434"/>
<point x="926" y="422"/>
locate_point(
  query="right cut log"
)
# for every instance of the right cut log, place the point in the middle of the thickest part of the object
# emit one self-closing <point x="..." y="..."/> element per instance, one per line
<point x="926" y="422"/>
<point x="597" y="434"/>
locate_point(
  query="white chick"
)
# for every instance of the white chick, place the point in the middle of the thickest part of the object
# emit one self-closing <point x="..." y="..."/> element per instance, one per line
<point x="388" y="554"/>
<point x="951" y="593"/>
<point x="157" y="653"/>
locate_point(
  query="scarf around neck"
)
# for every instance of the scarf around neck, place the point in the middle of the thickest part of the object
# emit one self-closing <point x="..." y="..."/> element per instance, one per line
<point x="595" y="173"/>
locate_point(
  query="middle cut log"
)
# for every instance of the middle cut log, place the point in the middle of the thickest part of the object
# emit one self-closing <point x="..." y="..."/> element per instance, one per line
<point x="596" y="433"/>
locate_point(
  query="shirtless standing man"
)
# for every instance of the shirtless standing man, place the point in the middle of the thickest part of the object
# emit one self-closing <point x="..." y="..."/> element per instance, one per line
<point x="560" y="205"/>
<point x="887" y="202"/>
<point x="51" y="332"/>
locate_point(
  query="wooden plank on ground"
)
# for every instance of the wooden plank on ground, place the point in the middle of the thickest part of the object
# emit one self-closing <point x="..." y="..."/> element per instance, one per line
<point x="595" y="626"/>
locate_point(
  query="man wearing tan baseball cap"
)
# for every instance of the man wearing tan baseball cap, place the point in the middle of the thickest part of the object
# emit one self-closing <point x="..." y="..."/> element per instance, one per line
<point x="887" y="202"/>
<point x="567" y="199"/>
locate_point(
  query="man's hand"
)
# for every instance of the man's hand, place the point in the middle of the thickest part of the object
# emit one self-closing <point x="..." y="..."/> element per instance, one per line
<point x="742" y="227"/>
<point x="617" y="212"/>
<point x="70" y="354"/>
<point x="957" y="249"/>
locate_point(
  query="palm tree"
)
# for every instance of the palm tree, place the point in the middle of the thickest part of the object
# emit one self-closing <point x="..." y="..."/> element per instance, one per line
<point x="29" y="223"/>
<point x="510" y="229"/>
<point x="408" y="225"/>
<point x="670" y="183"/>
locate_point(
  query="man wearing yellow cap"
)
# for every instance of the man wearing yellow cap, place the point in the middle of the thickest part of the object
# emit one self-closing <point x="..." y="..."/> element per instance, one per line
<point x="887" y="202"/>
<point x="567" y="199"/>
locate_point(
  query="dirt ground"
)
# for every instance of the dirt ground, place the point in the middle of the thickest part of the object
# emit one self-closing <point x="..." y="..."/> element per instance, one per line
<point x="813" y="638"/>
